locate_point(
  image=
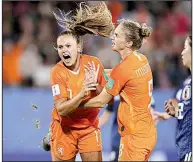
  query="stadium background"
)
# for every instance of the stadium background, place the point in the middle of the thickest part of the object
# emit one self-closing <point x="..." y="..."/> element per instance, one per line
<point x="29" y="33"/>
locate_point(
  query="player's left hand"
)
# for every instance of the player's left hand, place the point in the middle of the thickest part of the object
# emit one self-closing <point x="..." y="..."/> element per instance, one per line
<point x="91" y="72"/>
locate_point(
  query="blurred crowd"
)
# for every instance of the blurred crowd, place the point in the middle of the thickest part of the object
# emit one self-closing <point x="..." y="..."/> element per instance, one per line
<point x="30" y="31"/>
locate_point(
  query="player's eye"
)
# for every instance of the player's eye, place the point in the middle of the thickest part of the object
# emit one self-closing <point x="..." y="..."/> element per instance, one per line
<point x="68" y="45"/>
<point x="60" y="47"/>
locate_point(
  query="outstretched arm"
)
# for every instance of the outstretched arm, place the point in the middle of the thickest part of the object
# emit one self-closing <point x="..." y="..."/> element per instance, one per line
<point x="157" y="116"/>
<point x="99" y="101"/>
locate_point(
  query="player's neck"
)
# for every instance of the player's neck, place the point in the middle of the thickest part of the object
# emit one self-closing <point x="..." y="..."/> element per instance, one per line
<point x="126" y="52"/>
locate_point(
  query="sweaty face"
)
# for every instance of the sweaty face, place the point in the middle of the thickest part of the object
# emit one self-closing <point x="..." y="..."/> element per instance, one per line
<point x="67" y="48"/>
<point x="118" y="39"/>
<point x="186" y="54"/>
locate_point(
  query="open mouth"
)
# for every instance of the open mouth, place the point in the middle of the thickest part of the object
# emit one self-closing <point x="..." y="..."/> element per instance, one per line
<point x="67" y="57"/>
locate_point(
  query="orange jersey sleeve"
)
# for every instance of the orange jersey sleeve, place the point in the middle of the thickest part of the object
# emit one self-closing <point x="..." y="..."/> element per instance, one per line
<point x="58" y="85"/>
<point x="117" y="80"/>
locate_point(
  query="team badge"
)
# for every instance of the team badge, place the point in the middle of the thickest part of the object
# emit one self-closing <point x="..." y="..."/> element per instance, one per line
<point x="55" y="89"/>
<point x="105" y="75"/>
<point x="110" y="83"/>
<point x="186" y="94"/>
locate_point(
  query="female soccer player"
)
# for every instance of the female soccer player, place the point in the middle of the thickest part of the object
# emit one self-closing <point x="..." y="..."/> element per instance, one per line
<point x="132" y="79"/>
<point x="182" y="110"/>
<point x="76" y="130"/>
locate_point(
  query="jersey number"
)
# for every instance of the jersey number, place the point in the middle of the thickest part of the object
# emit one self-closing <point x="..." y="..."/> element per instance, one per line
<point x="180" y="110"/>
<point x="150" y="89"/>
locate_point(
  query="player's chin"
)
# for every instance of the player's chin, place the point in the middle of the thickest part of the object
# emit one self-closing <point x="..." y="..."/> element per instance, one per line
<point x="68" y="63"/>
<point x="184" y="63"/>
<point x="187" y="64"/>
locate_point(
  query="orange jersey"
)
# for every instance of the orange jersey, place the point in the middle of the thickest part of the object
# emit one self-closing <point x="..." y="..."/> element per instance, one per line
<point x="67" y="84"/>
<point x="132" y="79"/>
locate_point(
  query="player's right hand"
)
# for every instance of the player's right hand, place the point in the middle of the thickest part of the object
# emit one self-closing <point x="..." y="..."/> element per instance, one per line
<point x="91" y="72"/>
<point x="171" y="107"/>
<point x="88" y="86"/>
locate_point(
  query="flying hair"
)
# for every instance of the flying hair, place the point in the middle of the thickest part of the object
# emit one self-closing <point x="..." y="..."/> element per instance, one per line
<point x="95" y="20"/>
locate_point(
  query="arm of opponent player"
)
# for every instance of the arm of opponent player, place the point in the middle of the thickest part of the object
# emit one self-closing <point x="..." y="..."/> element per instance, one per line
<point x="160" y="116"/>
<point x="171" y="108"/>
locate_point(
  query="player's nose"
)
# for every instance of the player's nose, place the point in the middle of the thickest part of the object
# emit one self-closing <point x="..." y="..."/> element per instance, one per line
<point x="112" y="35"/>
<point x="64" y="49"/>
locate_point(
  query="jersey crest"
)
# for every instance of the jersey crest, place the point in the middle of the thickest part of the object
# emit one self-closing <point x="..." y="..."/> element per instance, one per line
<point x="186" y="94"/>
<point x="55" y="89"/>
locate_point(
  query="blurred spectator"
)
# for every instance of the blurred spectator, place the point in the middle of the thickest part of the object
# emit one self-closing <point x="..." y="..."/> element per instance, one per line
<point x="116" y="9"/>
<point x="11" y="64"/>
<point x="45" y="8"/>
<point x="140" y="14"/>
<point x="46" y="39"/>
<point x="30" y="62"/>
<point x="7" y="20"/>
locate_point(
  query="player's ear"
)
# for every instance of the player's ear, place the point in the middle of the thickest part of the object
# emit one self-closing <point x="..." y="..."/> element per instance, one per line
<point x="129" y="44"/>
<point x="55" y="46"/>
<point x="79" y="48"/>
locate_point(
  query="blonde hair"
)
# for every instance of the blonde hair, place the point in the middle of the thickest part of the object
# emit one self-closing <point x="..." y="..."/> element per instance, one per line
<point x="95" y="20"/>
<point x="135" y="32"/>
